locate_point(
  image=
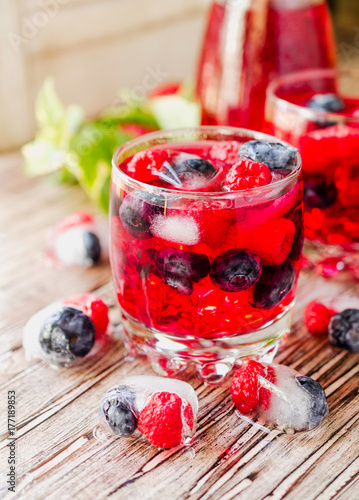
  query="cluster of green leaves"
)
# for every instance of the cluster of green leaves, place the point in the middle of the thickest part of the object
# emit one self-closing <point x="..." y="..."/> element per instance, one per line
<point x="76" y="150"/>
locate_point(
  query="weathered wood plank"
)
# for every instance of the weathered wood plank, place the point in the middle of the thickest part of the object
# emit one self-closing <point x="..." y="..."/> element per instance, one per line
<point x="58" y="453"/>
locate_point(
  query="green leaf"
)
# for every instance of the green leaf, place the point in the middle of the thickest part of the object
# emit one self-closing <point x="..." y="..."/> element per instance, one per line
<point x="49" y="111"/>
<point x="174" y="111"/>
<point x="42" y="157"/>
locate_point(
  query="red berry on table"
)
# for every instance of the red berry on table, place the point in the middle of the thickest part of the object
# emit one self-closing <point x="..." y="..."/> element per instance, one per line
<point x="247" y="174"/>
<point x="94" y="307"/>
<point x="317" y="317"/>
<point x="145" y="165"/>
<point x="161" y="420"/>
<point x="245" y="386"/>
<point x="76" y="219"/>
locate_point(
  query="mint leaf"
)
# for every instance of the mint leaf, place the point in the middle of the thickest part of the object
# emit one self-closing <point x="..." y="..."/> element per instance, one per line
<point x="175" y="111"/>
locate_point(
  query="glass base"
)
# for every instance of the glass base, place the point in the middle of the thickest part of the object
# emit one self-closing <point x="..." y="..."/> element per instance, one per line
<point x="213" y="358"/>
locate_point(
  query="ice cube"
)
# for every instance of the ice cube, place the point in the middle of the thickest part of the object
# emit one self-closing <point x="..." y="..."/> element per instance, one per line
<point x="176" y="228"/>
<point x="164" y="410"/>
<point x="187" y="171"/>
<point x="280" y="397"/>
<point x="77" y="241"/>
<point x="64" y="332"/>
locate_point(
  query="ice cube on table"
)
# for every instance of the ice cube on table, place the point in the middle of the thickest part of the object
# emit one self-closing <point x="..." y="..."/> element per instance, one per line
<point x="82" y="244"/>
<point x="285" y="399"/>
<point x="64" y="332"/>
<point x="187" y="171"/>
<point x="164" y="410"/>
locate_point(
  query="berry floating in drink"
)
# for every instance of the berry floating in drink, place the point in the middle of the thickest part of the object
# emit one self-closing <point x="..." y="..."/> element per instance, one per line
<point x="163" y="410"/>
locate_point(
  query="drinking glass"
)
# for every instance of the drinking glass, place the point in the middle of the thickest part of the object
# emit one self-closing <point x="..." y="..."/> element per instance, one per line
<point x="328" y="142"/>
<point x="203" y="278"/>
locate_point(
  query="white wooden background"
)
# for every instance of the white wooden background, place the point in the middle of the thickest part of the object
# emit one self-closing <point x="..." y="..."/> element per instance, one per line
<point x="92" y="48"/>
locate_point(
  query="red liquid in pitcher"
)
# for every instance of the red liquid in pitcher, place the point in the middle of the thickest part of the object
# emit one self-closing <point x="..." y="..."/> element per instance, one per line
<point x="244" y="49"/>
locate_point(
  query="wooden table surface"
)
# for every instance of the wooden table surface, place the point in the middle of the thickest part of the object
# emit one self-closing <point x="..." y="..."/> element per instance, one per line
<point x="58" y="456"/>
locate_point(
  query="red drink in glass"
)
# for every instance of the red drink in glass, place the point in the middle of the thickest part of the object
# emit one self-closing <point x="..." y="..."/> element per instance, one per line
<point x="202" y="275"/>
<point x="318" y="112"/>
<point x="247" y="43"/>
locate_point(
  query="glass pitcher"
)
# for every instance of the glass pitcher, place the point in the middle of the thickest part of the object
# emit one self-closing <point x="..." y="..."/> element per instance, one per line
<point x="247" y="43"/>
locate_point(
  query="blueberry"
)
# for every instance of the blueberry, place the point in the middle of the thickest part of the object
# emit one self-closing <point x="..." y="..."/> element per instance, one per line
<point x="137" y="211"/>
<point x="180" y="269"/>
<point x="273" y="285"/>
<point x="92" y="246"/>
<point x="235" y="270"/>
<point x="273" y="154"/>
<point x="66" y="335"/>
<point x="319" y="406"/>
<point x="118" y="409"/>
<point x="330" y="103"/>
<point x="319" y="194"/>
<point x="344" y="330"/>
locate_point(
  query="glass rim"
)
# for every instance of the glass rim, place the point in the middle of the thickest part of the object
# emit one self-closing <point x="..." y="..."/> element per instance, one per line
<point x="306" y="75"/>
<point x="230" y="131"/>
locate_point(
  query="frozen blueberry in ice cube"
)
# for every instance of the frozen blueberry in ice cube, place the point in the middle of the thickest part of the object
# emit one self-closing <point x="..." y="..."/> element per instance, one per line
<point x="180" y="269"/>
<point x="119" y="411"/>
<point x="192" y="172"/>
<point x="92" y="246"/>
<point x="137" y="211"/>
<point x="318" y="403"/>
<point x="318" y="193"/>
<point x="344" y="330"/>
<point x="275" y="155"/>
<point x="330" y="103"/>
<point x="235" y="270"/>
<point x="66" y="335"/>
<point x="273" y="285"/>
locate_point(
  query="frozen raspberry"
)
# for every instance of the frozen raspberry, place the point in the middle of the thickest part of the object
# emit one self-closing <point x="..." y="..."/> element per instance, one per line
<point x="317" y="317"/>
<point x="247" y="174"/>
<point x="94" y="308"/>
<point x="268" y="373"/>
<point x="245" y="386"/>
<point x="161" y="420"/>
<point x="75" y="219"/>
<point x="145" y="165"/>
<point x="226" y="151"/>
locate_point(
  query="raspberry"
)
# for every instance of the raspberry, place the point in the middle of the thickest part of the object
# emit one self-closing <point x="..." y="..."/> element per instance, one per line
<point x="244" y="387"/>
<point x="323" y="149"/>
<point x="226" y="151"/>
<point x="213" y="220"/>
<point x="272" y="241"/>
<point x="317" y="317"/>
<point x="94" y="308"/>
<point x="247" y="174"/>
<point x="76" y="219"/>
<point x="146" y="164"/>
<point x="161" y="420"/>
